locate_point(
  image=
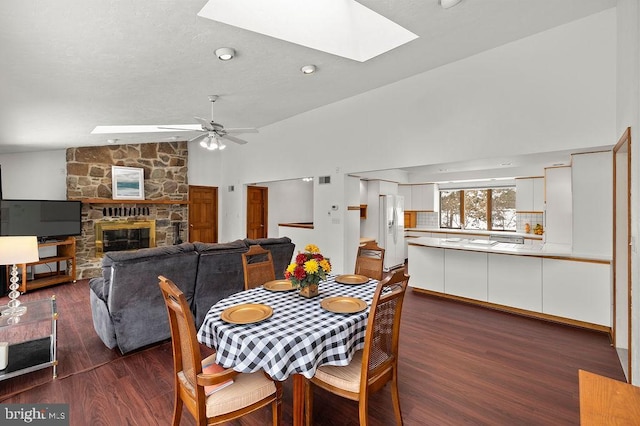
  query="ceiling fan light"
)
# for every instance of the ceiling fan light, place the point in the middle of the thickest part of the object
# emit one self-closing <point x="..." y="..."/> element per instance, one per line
<point x="225" y="53"/>
<point x="221" y="145"/>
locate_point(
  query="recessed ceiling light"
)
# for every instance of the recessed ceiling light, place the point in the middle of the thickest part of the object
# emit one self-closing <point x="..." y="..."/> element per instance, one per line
<point x="308" y="69"/>
<point x="112" y="140"/>
<point x="225" y="53"/>
<point x="446" y="4"/>
<point x="505" y="164"/>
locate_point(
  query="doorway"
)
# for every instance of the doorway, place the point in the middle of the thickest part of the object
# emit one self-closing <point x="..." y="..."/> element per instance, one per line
<point x="257" y="207"/>
<point x="622" y="326"/>
<point x="203" y="214"/>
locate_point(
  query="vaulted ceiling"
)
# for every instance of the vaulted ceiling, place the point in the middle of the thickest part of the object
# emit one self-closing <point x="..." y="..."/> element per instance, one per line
<point x="69" y="65"/>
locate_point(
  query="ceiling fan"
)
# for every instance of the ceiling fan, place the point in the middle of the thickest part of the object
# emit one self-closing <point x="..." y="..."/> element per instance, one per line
<point x="212" y="133"/>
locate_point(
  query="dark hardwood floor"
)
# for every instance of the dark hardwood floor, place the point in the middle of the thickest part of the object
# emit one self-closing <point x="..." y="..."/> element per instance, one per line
<point x="459" y="364"/>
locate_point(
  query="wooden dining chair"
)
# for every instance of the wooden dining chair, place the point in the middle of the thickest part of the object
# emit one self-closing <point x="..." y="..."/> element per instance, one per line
<point x="375" y="365"/>
<point x="370" y="261"/>
<point x="247" y="393"/>
<point x="257" y="265"/>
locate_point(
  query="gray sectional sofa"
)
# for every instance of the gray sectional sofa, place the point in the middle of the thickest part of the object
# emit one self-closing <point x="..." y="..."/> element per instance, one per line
<point x="126" y="303"/>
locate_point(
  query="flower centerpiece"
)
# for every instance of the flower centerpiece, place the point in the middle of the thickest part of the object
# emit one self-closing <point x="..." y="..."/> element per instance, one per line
<point x="307" y="270"/>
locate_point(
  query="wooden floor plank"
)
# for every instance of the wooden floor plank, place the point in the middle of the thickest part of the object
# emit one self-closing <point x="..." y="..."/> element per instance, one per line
<point x="459" y="364"/>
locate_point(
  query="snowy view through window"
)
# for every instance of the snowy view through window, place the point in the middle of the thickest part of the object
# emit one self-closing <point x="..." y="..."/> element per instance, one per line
<point x="483" y="209"/>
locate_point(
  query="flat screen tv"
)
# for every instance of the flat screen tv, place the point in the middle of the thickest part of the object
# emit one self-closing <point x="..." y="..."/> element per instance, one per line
<point x="46" y="219"/>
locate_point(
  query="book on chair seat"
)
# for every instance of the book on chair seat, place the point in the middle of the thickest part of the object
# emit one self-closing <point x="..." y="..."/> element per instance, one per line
<point x="214" y="368"/>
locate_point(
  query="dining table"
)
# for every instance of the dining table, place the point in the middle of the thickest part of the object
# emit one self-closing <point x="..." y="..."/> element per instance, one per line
<point x="292" y="335"/>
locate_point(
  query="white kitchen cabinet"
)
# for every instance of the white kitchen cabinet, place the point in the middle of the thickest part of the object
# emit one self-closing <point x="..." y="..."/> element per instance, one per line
<point x="426" y="268"/>
<point x="515" y="281"/>
<point x="558" y="215"/>
<point x="422" y="197"/>
<point x="538" y="194"/>
<point x="465" y="274"/>
<point x="405" y="191"/>
<point x="592" y="189"/>
<point x="530" y="194"/>
<point x="577" y="290"/>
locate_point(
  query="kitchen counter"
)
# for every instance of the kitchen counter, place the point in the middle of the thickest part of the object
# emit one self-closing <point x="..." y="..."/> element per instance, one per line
<point x="547" y="281"/>
<point x="482" y="245"/>
<point x="474" y="232"/>
<point x="306" y="225"/>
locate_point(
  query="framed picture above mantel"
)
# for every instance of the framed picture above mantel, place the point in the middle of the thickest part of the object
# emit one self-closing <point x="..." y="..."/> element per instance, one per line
<point x="128" y="183"/>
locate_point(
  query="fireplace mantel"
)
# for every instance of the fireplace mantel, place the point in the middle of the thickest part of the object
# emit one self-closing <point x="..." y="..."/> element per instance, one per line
<point x="110" y="201"/>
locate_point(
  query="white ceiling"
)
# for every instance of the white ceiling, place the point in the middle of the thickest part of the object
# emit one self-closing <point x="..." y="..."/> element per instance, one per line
<point x="69" y="65"/>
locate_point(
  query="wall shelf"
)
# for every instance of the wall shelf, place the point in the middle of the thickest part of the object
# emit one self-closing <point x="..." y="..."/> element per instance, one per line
<point x="110" y="201"/>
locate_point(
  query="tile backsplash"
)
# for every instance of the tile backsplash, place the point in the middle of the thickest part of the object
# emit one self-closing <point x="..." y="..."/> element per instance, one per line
<point x="430" y="220"/>
<point x="427" y="219"/>
<point x="531" y="218"/>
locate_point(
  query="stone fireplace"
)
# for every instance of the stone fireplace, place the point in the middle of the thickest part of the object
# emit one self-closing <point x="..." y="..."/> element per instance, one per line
<point x="165" y="203"/>
<point x="124" y="235"/>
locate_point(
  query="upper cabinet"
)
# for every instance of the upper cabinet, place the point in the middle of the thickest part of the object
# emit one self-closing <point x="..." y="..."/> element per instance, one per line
<point x="405" y="192"/>
<point x="592" y="189"/>
<point x="558" y="211"/>
<point x="530" y="194"/>
<point x="418" y="197"/>
<point x="422" y="197"/>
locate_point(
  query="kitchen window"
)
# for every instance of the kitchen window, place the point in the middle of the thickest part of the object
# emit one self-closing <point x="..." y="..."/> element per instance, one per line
<point x="479" y="209"/>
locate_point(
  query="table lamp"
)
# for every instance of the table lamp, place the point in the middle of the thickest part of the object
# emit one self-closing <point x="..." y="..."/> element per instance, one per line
<point x="15" y="251"/>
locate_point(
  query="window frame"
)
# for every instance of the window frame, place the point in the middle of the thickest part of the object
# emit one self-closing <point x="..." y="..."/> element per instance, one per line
<point x="488" y="207"/>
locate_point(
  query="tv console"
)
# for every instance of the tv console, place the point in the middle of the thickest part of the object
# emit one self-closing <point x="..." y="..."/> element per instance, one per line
<point x="65" y="254"/>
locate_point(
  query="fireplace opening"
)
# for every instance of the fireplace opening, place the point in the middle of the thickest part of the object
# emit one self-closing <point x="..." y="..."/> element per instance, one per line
<point x="124" y="235"/>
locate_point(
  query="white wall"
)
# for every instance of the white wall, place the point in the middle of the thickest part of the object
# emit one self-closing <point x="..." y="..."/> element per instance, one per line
<point x="628" y="115"/>
<point x="288" y="201"/>
<point x="552" y="91"/>
<point x="34" y="175"/>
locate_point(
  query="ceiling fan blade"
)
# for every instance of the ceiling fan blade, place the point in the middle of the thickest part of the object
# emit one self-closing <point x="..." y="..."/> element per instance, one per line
<point x="241" y="130"/>
<point x="206" y="124"/>
<point x="234" y="139"/>
<point x="185" y="128"/>
<point x="142" y="129"/>
<point x="199" y="137"/>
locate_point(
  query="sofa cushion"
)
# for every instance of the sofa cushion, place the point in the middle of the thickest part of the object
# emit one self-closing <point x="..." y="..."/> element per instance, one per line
<point x="219" y="275"/>
<point x="121" y="256"/>
<point x="281" y="251"/>
<point x="208" y="247"/>
<point x="97" y="287"/>
<point x="135" y="301"/>
<point x="267" y="241"/>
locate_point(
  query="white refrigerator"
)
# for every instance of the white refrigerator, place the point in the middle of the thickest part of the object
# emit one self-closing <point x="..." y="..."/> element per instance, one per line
<point x="391" y="231"/>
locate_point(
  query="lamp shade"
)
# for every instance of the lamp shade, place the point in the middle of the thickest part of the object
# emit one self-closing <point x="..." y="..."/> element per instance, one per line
<point x="17" y="250"/>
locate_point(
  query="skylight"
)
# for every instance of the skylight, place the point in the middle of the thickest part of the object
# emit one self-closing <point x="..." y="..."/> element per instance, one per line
<point x="340" y="27"/>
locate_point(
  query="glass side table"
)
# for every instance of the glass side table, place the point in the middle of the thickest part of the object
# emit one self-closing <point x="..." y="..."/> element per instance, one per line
<point x="32" y="338"/>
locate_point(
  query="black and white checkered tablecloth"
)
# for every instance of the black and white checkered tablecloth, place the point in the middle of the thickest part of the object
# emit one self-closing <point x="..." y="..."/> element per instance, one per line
<point x="297" y="338"/>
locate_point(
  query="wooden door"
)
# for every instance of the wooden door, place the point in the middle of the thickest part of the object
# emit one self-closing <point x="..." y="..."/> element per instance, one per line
<point x="623" y="328"/>
<point x="257" y="202"/>
<point x="203" y="214"/>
